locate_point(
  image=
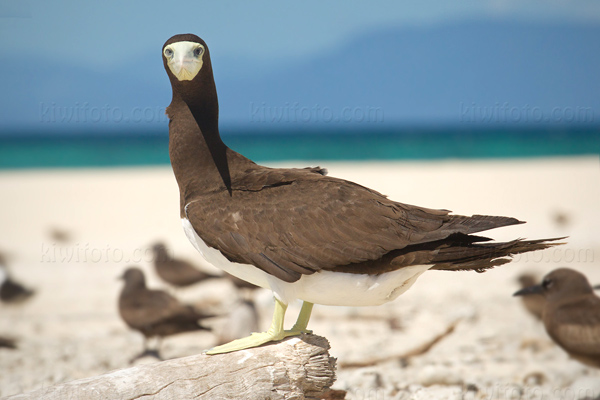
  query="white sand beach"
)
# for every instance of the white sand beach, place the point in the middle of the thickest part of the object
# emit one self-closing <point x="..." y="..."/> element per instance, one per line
<point x="71" y="328"/>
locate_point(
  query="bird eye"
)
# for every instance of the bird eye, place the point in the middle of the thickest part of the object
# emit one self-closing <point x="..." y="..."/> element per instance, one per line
<point x="198" y="51"/>
<point x="168" y="53"/>
<point x="547" y="283"/>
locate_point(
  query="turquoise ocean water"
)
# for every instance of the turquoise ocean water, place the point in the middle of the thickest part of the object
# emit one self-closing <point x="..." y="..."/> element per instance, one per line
<point x="29" y="150"/>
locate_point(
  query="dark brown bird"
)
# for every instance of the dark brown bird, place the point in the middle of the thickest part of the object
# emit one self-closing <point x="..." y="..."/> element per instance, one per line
<point x="534" y="303"/>
<point x="298" y="232"/>
<point x="154" y="313"/>
<point x="571" y="314"/>
<point x="10" y="290"/>
<point x="179" y="273"/>
<point x="8" y="343"/>
<point x="60" y="235"/>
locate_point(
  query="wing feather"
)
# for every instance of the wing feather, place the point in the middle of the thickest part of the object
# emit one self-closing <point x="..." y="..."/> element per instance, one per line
<point x="314" y="222"/>
<point x="576" y="326"/>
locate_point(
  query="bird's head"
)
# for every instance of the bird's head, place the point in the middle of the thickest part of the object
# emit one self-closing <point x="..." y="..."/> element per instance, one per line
<point x="184" y="56"/>
<point x="159" y="247"/>
<point x="160" y="252"/>
<point x="560" y="283"/>
<point x="186" y="59"/>
<point x="133" y="276"/>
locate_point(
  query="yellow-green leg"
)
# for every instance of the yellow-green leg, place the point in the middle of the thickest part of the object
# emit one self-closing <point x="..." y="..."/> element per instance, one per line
<point x="302" y="321"/>
<point x="274" y="333"/>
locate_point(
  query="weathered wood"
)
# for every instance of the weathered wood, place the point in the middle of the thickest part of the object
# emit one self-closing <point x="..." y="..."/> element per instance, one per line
<point x="297" y="368"/>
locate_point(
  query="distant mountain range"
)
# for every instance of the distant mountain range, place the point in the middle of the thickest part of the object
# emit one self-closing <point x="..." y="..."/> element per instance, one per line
<point x="473" y="73"/>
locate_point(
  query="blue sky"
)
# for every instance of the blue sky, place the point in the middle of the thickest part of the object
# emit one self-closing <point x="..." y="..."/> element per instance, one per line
<point x="108" y="33"/>
<point x="69" y="53"/>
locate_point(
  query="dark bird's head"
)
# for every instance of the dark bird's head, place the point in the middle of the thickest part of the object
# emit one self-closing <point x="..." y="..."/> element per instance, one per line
<point x="184" y="56"/>
<point x="133" y="277"/>
<point x="159" y="250"/>
<point x="558" y="284"/>
<point x="187" y="61"/>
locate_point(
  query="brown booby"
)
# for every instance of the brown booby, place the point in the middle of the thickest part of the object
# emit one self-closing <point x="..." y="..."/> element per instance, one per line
<point x="571" y="313"/>
<point x="10" y="290"/>
<point x="8" y="343"/>
<point x="298" y="232"/>
<point x="534" y="303"/>
<point x="176" y="272"/>
<point x="60" y="235"/>
<point x="154" y="313"/>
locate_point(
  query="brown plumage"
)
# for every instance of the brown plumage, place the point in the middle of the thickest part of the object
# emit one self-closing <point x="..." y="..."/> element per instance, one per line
<point x="247" y="211"/>
<point x="276" y="226"/>
<point x="60" y="235"/>
<point x="14" y="292"/>
<point x="8" y="343"/>
<point x="10" y="290"/>
<point x="571" y="314"/>
<point x="154" y="312"/>
<point x="337" y="225"/>
<point x="177" y="272"/>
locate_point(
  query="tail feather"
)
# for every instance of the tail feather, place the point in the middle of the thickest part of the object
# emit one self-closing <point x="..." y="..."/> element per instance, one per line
<point x="482" y="256"/>
<point x="478" y="223"/>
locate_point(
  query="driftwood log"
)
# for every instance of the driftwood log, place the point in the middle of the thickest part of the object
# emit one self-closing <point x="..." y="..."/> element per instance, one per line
<point x="297" y="368"/>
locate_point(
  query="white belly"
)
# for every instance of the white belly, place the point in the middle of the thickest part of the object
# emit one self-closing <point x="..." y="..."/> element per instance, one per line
<point x="324" y="287"/>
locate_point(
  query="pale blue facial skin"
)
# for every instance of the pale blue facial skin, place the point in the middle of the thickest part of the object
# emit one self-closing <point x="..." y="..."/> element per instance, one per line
<point x="184" y="59"/>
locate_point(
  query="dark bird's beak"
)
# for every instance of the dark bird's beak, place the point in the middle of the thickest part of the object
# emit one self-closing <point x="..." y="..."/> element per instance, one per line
<point x="596" y="287"/>
<point x="535" y="289"/>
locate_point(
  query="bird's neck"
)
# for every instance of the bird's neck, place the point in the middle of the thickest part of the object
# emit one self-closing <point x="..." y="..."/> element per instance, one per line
<point x="584" y="295"/>
<point x="201" y="162"/>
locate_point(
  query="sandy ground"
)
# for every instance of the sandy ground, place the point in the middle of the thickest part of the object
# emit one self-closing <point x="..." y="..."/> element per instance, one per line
<point x="71" y="328"/>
